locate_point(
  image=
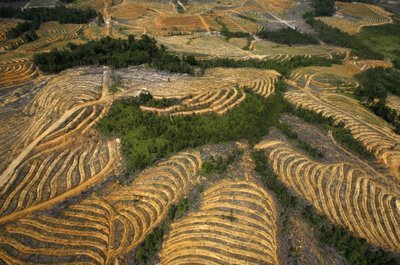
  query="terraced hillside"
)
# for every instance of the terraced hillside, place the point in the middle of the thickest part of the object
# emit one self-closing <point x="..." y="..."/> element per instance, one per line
<point x="377" y="139"/>
<point x="58" y="154"/>
<point x="96" y="230"/>
<point x="106" y="156"/>
<point x="218" y="101"/>
<point x="343" y="192"/>
<point x="16" y="72"/>
<point x="235" y="224"/>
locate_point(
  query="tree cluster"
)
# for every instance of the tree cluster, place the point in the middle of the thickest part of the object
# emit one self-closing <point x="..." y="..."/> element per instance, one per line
<point x="116" y="53"/>
<point x="61" y="14"/>
<point x="147" y="137"/>
<point x="375" y="85"/>
<point x="323" y="7"/>
<point x="287" y="36"/>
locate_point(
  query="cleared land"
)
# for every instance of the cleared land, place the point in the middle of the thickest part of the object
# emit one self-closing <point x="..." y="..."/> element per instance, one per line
<point x="58" y="153"/>
<point x="342" y="192"/>
<point x="219" y="101"/>
<point x="236" y="224"/>
<point x="96" y="230"/>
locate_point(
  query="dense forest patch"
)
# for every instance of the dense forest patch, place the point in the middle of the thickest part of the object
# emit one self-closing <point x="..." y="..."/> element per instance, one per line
<point x="287" y="36"/>
<point x="147" y="137"/>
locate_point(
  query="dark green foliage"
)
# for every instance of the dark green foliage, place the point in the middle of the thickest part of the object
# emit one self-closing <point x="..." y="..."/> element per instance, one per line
<point x="8" y="12"/>
<point x="113" y="52"/>
<point x="30" y="36"/>
<point x="323" y="7"/>
<point x="59" y="13"/>
<point x="152" y="244"/>
<point x="376" y="83"/>
<point x="100" y="20"/>
<point x="336" y="37"/>
<point x="247" y="18"/>
<point x="287" y="36"/>
<point x="217" y="165"/>
<point x="312" y="117"/>
<point x="147" y="137"/>
<point x="355" y="250"/>
<point x="396" y="63"/>
<point x="149" y="101"/>
<point x="345" y="138"/>
<point x="21" y="28"/>
<point x="388" y="114"/>
<point x="270" y="180"/>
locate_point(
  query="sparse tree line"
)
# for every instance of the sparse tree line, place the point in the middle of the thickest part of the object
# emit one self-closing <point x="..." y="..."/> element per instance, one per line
<point x="341" y="134"/>
<point x="36" y="16"/>
<point x="114" y="52"/>
<point x="147" y="251"/>
<point x="375" y="85"/>
<point x="283" y="67"/>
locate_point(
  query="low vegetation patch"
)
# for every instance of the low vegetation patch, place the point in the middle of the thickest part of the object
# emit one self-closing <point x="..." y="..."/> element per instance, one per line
<point x="217" y="165"/>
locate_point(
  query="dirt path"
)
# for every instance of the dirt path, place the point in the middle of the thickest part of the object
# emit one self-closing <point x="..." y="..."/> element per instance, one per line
<point x="205" y="25"/>
<point x="107" y="17"/>
<point x="275" y="16"/>
<point x="106" y="81"/>
<point x="6" y="178"/>
<point x="354" y="157"/>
